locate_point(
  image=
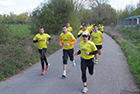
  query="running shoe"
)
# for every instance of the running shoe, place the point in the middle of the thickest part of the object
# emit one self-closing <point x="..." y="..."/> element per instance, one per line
<point x="96" y="62"/>
<point x="64" y="75"/>
<point x="43" y="72"/>
<point x="73" y="64"/>
<point x="47" y="66"/>
<point x="85" y="89"/>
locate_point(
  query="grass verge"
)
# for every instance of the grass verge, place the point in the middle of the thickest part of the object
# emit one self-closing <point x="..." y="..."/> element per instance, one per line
<point x="18" y="51"/>
<point x="132" y="53"/>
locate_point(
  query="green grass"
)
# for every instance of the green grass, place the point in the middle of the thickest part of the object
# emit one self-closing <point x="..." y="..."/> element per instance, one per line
<point x="131" y="48"/>
<point x="19" y="51"/>
<point x="19" y="29"/>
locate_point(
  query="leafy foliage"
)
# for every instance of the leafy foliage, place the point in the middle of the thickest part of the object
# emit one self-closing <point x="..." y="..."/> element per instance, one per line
<point x="52" y="16"/>
<point x="4" y="32"/>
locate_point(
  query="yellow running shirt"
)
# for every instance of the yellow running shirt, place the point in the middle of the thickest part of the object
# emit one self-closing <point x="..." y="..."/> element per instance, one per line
<point x="43" y="40"/>
<point x="81" y="27"/>
<point x="69" y="29"/>
<point x="101" y="28"/>
<point x="67" y="38"/>
<point x="89" y="28"/>
<point x="87" y="46"/>
<point x="97" y="36"/>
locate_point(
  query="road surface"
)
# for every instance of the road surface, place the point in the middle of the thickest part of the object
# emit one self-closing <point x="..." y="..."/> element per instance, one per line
<point x="111" y="75"/>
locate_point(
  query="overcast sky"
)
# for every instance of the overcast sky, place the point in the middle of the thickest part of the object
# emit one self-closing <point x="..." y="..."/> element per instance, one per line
<point x="20" y="6"/>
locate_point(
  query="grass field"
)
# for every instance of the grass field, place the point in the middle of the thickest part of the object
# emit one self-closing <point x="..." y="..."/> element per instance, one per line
<point x="19" y="51"/>
<point x="19" y="29"/>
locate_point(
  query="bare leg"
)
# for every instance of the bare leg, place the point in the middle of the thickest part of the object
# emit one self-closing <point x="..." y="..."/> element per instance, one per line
<point x="85" y="84"/>
<point x="99" y="52"/>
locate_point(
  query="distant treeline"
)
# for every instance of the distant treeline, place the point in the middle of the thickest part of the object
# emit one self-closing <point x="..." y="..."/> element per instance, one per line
<point x="54" y="13"/>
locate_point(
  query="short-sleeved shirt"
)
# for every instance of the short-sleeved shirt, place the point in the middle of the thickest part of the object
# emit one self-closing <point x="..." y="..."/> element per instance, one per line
<point x="43" y="40"/>
<point x="87" y="46"/>
<point x="81" y="27"/>
<point x="97" y="36"/>
<point x="101" y="28"/>
<point x="69" y="29"/>
<point x="89" y="28"/>
<point x="67" y="38"/>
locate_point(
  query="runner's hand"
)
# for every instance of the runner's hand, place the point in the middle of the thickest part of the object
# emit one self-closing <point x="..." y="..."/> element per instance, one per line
<point x="87" y="53"/>
<point x="60" y="45"/>
<point x="38" y="39"/>
<point x="67" y="44"/>
<point x="47" y="42"/>
<point x="75" y="54"/>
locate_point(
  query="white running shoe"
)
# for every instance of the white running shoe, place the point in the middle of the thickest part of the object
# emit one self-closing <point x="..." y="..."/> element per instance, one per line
<point x="85" y="89"/>
<point x="73" y="64"/>
<point x="64" y="75"/>
<point x="96" y="61"/>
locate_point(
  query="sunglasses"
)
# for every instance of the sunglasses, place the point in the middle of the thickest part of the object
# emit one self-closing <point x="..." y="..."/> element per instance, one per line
<point x="85" y="36"/>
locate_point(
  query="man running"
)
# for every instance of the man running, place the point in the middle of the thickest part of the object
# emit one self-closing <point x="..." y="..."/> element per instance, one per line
<point x="101" y="27"/>
<point x="83" y="30"/>
<point x="97" y="38"/>
<point x="69" y="28"/>
<point x="68" y="41"/>
<point x="43" y="40"/>
<point x="81" y="27"/>
<point x="87" y="49"/>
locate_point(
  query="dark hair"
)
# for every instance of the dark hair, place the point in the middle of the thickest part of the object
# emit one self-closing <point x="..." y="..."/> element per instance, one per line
<point x="41" y="27"/>
<point x="64" y="26"/>
<point x="95" y="25"/>
<point x="84" y="25"/>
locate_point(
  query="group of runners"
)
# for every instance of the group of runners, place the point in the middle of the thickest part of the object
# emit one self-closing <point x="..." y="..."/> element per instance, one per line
<point x="90" y="45"/>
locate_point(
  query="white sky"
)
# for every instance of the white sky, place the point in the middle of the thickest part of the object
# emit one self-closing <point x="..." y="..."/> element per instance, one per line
<point x="20" y="6"/>
<point x="121" y="4"/>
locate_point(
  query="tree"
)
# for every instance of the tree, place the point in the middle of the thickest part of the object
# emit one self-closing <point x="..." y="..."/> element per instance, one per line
<point x="23" y="18"/>
<point x="1" y="18"/>
<point x="12" y="18"/>
<point x="138" y="4"/>
<point x="52" y="15"/>
<point x="86" y="16"/>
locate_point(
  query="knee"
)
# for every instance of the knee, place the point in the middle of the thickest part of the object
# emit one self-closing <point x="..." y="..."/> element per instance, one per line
<point x="91" y="73"/>
<point x="64" y="61"/>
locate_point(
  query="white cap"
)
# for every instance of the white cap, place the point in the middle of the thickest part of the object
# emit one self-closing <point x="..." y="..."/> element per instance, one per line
<point x="85" y="33"/>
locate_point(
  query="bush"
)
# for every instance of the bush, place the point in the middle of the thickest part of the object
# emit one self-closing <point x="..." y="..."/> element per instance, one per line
<point x="52" y="16"/>
<point x="4" y="32"/>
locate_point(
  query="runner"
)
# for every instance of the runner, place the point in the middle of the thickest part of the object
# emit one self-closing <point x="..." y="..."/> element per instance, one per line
<point x="81" y="27"/>
<point x="69" y="28"/>
<point x="81" y="31"/>
<point x="89" y="27"/>
<point x="101" y="27"/>
<point x="43" y="40"/>
<point x="68" y="41"/>
<point x="97" y="38"/>
<point x="87" y="49"/>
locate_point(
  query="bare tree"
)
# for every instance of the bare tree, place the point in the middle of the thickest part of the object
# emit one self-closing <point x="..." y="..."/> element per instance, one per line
<point x="138" y="4"/>
<point x="100" y="9"/>
<point x="80" y="4"/>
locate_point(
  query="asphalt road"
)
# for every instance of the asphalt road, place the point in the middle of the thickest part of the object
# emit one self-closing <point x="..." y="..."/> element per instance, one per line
<point x="111" y="75"/>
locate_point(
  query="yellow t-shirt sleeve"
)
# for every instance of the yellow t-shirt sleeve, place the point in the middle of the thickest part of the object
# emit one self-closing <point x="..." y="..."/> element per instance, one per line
<point x="71" y="29"/>
<point x="48" y="36"/>
<point x="35" y="38"/>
